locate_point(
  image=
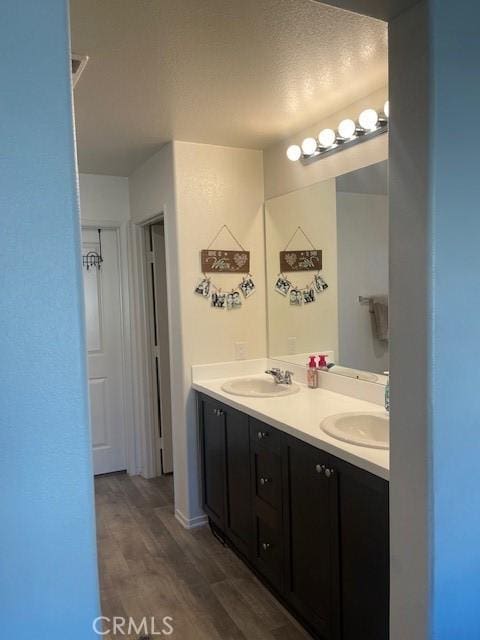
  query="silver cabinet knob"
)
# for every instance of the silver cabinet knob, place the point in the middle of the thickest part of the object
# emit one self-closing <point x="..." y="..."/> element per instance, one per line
<point x="320" y="468"/>
<point x="264" y="480"/>
<point x="266" y="546"/>
<point x="261" y="435"/>
<point x="328" y="473"/>
<point x="218" y="412"/>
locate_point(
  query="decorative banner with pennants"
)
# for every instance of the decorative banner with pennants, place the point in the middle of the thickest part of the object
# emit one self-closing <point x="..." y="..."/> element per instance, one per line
<point x="227" y="262"/>
<point x="301" y="260"/>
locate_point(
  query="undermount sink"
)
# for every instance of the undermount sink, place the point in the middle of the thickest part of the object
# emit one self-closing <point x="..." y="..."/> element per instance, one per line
<point x="367" y="429"/>
<point x="259" y="388"/>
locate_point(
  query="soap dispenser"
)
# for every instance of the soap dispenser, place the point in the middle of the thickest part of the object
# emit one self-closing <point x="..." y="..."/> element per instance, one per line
<point x="312" y="373"/>
<point x="322" y="363"/>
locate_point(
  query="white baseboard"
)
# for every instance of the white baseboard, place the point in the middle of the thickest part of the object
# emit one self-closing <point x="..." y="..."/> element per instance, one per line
<point x="191" y="523"/>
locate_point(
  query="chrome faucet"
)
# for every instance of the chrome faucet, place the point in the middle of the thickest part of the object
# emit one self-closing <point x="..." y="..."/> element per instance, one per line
<point x="280" y="377"/>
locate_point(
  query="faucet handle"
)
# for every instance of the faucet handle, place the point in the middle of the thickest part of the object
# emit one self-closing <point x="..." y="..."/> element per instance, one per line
<point x="288" y="376"/>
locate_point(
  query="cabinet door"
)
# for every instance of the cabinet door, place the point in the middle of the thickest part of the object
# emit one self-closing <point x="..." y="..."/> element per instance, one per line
<point x="312" y="550"/>
<point x="212" y="434"/>
<point x="238" y="521"/>
<point x="364" y="539"/>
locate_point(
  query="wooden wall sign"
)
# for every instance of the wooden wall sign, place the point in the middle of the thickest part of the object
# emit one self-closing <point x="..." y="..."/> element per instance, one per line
<point x="219" y="261"/>
<point x="308" y="260"/>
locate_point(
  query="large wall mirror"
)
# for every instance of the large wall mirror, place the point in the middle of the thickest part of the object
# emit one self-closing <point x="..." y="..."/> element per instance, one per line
<point x="335" y="303"/>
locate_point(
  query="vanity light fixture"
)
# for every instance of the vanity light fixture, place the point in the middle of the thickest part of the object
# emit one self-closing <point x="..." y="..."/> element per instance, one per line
<point x="294" y="152"/>
<point x="309" y="146"/>
<point x="347" y="129"/>
<point x="370" y="123"/>
<point x="327" y="138"/>
<point x="368" y="119"/>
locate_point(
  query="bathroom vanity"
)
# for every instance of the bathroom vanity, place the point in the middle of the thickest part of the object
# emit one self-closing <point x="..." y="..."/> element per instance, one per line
<point x="295" y="480"/>
<point x="311" y="524"/>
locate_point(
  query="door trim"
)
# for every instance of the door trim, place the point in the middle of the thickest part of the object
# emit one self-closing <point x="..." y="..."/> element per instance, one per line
<point x="121" y="231"/>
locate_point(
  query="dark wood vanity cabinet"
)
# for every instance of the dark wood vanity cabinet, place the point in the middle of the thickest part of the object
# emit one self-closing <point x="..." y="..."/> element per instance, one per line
<point x="363" y="508"/>
<point x="312" y="551"/>
<point x="312" y="526"/>
<point x="225" y="445"/>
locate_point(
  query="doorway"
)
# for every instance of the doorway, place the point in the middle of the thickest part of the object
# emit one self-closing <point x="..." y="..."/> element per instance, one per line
<point x="158" y="345"/>
<point x="105" y="348"/>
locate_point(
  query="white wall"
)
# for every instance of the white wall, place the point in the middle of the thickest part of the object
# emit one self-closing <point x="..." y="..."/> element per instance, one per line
<point x="214" y="186"/>
<point x="314" y="326"/>
<point x="282" y="175"/>
<point x="104" y="198"/>
<point x="362" y="232"/>
<point x="199" y="188"/>
<point x="152" y="188"/>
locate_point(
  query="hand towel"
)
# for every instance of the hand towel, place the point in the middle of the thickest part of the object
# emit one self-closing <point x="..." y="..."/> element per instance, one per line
<point x="379" y="310"/>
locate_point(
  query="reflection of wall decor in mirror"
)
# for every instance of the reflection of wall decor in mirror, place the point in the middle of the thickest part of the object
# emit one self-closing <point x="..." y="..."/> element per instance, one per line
<point x="296" y="260"/>
<point x="225" y="261"/>
<point x="349" y="216"/>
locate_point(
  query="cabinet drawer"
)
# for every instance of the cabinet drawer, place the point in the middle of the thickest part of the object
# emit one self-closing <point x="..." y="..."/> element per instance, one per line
<point x="268" y="477"/>
<point x="269" y="552"/>
<point x="264" y="436"/>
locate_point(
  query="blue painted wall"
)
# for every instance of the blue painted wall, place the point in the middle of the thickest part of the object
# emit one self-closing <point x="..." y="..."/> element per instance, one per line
<point x="455" y="352"/>
<point x="48" y="574"/>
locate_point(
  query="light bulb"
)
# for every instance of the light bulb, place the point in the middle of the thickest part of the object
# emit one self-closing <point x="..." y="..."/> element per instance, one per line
<point x="327" y="138"/>
<point x="309" y="146"/>
<point x="386" y="108"/>
<point x="368" y="119"/>
<point x="294" y="152"/>
<point x="347" y="128"/>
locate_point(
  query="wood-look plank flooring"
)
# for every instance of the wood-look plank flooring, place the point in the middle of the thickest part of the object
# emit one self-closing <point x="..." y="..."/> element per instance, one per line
<point x="151" y="566"/>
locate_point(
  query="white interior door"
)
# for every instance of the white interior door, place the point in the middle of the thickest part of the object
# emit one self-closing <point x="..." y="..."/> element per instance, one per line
<point x="105" y="353"/>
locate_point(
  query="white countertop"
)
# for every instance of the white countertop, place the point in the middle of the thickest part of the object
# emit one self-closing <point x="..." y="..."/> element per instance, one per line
<point x="300" y="415"/>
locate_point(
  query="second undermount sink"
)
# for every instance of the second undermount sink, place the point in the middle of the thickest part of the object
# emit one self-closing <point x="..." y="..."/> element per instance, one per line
<point x="366" y="429"/>
<point x="259" y="388"/>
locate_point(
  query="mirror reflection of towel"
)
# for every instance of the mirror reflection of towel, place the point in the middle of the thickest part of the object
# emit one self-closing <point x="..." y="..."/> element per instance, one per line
<point x="379" y="310"/>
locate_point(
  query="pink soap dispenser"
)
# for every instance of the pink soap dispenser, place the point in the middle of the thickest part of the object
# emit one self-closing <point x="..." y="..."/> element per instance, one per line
<point x="312" y="373"/>
<point x="322" y="363"/>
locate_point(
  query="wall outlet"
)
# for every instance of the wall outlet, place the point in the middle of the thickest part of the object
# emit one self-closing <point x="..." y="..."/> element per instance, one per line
<point x="292" y="346"/>
<point x="240" y="350"/>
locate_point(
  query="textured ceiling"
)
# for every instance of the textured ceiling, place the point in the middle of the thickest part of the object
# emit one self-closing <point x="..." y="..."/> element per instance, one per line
<point x="382" y="9"/>
<point x="243" y="73"/>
